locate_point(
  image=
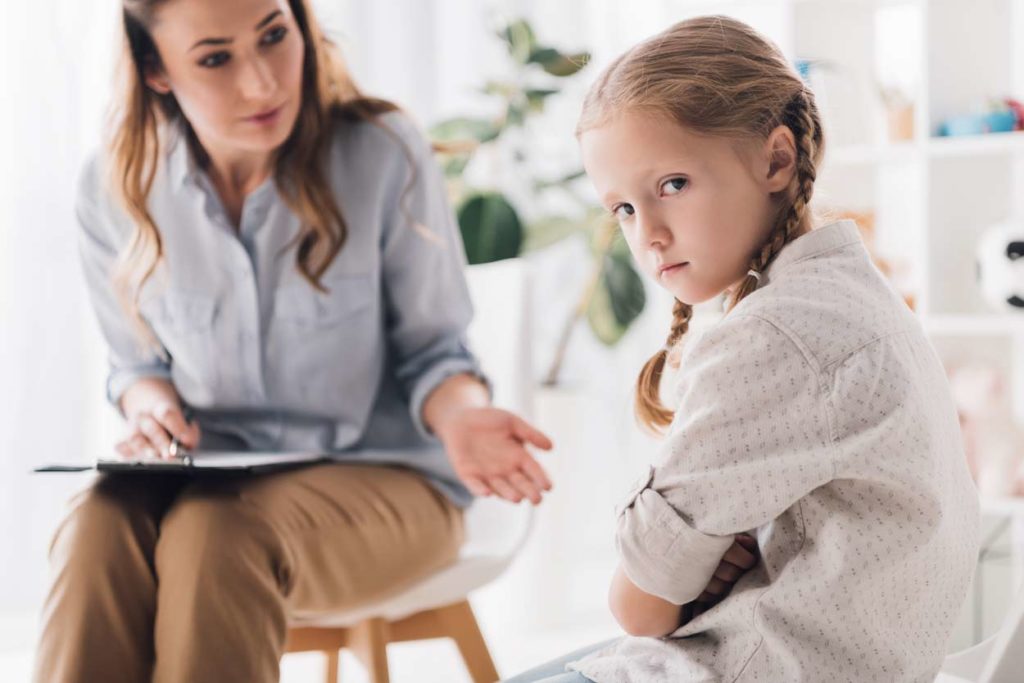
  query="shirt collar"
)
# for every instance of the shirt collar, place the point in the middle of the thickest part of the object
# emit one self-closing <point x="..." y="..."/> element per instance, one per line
<point x="183" y="167"/>
<point x="826" y="238"/>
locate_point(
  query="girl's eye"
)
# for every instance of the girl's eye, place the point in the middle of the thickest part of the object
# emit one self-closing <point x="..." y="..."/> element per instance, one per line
<point x="274" y="35"/>
<point x="674" y="185"/>
<point x="214" y="60"/>
<point x="623" y="211"/>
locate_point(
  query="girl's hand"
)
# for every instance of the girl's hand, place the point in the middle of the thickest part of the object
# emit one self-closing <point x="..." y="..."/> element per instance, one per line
<point x="153" y="411"/>
<point x="741" y="557"/>
<point x="487" y="447"/>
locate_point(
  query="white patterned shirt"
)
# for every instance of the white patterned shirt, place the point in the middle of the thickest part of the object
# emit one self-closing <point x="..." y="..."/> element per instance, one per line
<point x="818" y="415"/>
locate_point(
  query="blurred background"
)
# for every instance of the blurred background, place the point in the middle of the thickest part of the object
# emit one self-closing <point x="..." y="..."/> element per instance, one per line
<point x="921" y="101"/>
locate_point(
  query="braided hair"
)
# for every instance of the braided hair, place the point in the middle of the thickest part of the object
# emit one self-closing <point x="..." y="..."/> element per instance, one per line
<point x="714" y="76"/>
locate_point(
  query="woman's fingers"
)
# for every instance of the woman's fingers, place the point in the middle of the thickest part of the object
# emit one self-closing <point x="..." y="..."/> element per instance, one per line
<point x="527" y="433"/>
<point x="524" y="486"/>
<point x="532" y="469"/>
<point x="157" y="435"/>
<point x="172" y="419"/>
<point x="139" y="446"/>
<point x="477" y="487"/>
<point x="503" y="488"/>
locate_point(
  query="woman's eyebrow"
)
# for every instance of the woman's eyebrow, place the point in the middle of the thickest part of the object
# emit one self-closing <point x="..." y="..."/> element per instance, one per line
<point x="224" y="41"/>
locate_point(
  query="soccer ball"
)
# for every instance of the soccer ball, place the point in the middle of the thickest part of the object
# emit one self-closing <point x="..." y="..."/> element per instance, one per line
<point x="1001" y="265"/>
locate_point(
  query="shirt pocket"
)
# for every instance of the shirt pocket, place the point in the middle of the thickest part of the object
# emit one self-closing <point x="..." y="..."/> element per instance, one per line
<point x="303" y="308"/>
<point x="184" y="323"/>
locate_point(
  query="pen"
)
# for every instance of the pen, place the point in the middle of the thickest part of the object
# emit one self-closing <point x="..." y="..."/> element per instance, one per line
<point x="175" y="449"/>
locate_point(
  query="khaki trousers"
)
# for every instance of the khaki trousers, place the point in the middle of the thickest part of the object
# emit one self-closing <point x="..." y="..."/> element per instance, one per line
<point x="169" y="579"/>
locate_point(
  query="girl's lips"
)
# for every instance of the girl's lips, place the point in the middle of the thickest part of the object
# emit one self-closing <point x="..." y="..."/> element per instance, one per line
<point x="665" y="271"/>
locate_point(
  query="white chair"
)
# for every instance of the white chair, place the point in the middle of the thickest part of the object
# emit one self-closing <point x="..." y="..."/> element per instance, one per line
<point x="437" y="607"/>
<point x="998" y="659"/>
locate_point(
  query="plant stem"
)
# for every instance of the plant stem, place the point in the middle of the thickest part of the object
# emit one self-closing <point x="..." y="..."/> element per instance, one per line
<point x="604" y="244"/>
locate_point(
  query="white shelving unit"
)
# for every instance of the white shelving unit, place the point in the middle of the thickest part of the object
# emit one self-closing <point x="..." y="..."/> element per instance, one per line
<point x="930" y="197"/>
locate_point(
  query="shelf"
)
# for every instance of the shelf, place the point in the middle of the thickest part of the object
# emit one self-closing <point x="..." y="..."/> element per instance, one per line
<point x="971" y="145"/>
<point x="971" y="325"/>
<point x="857" y="155"/>
<point x="935" y="148"/>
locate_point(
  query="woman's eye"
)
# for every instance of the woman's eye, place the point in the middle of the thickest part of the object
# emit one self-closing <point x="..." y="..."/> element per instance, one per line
<point x="674" y="185"/>
<point x="623" y="211"/>
<point x="214" y="60"/>
<point x="274" y="35"/>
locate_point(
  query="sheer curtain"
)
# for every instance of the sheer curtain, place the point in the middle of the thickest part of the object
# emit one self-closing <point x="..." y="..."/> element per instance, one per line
<point x="429" y="56"/>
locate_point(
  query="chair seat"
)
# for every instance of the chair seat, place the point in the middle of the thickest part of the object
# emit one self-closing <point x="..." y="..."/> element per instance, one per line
<point x="450" y="585"/>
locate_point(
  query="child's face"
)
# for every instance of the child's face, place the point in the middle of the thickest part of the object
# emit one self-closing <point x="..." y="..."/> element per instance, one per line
<point x="693" y="209"/>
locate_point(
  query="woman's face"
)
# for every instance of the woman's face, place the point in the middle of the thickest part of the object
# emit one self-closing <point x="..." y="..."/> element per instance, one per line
<point x="235" y="68"/>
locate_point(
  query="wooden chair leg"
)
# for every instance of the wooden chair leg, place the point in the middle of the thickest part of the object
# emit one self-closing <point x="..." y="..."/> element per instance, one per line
<point x="331" y="668"/>
<point x="368" y="643"/>
<point x="461" y="624"/>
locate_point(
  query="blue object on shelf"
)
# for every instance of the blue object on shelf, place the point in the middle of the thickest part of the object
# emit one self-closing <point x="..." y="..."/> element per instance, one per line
<point x="977" y="124"/>
<point x="803" y="67"/>
<point x="971" y="124"/>
<point x="1001" y="121"/>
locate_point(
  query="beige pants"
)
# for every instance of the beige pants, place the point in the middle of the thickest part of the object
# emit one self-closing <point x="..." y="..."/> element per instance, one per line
<point x="175" y="580"/>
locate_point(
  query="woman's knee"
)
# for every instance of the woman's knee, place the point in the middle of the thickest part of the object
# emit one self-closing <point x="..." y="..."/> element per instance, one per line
<point x="216" y="533"/>
<point x="101" y="528"/>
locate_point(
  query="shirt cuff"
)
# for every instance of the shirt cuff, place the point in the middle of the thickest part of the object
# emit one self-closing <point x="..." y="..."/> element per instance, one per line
<point x="433" y="378"/>
<point x="662" y="554"/>
<point x="119" y="380"/>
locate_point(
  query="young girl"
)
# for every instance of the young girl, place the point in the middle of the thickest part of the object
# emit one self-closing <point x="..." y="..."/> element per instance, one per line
<point x="273" y="252"/>
<point x="815" y="415"/>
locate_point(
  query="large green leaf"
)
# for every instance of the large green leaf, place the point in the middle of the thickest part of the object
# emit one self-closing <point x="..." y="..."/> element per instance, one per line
<point x="491" y="229"/>
<point x="537" y="96"/>
<point x="558" y="63"/>
<point x="618" y="300"/>
<point x="465" y="128"/>
<point x="520" y="39"/>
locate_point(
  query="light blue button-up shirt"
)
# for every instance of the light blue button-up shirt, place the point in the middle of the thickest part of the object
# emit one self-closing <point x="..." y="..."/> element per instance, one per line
<point x="264" y="361"/>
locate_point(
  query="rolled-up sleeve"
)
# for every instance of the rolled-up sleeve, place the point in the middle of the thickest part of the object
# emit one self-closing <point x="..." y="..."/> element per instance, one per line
<point x="128" y="357"/>
<point x="428" y="302"/>
<point x="751" y="437"/>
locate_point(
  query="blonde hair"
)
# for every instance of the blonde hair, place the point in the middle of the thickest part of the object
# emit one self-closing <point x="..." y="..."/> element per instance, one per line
<point x="714" y="76"/>
<point x="142" y="117"/>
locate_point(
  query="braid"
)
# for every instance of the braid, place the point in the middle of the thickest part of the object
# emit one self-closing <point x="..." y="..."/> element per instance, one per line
<point x="801" y="117"/>
<point x="649" y="408"/>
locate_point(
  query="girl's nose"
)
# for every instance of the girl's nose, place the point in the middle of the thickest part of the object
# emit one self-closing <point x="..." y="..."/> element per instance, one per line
<point x="653" y="231"/>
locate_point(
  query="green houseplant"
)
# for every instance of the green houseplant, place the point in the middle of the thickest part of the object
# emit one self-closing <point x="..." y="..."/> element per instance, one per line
<point x="493" y="227"/>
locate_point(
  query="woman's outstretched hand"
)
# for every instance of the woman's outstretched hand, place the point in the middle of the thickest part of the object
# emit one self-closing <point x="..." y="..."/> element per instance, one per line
<point x="488" y="449"/>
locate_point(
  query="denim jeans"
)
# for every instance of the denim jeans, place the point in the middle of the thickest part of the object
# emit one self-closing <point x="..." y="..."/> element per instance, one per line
<point x="554" y="671"/>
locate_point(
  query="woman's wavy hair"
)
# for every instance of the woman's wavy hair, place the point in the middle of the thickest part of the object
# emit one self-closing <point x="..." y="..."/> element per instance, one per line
<point x="715" y="76"/>
<point x="143" y="119"/>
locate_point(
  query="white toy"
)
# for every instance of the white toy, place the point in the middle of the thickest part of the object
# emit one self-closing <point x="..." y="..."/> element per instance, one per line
<point x="993" y="441"/>
<point x="1000" y="257"/>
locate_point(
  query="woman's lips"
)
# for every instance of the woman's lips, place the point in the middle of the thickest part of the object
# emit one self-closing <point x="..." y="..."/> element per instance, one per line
<point x="266" y="117"/>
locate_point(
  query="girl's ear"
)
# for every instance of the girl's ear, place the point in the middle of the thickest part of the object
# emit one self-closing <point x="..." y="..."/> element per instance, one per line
<point x="780" y="148"/>
<point x="156" y="78"/>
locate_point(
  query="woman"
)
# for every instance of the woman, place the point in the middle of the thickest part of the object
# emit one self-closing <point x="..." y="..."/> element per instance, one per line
<point x="274" y="266"/>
